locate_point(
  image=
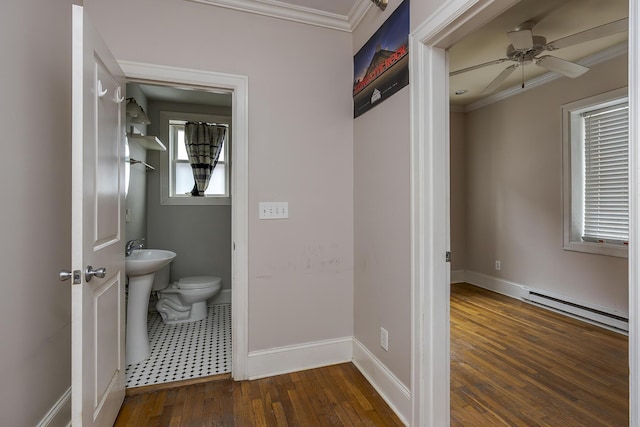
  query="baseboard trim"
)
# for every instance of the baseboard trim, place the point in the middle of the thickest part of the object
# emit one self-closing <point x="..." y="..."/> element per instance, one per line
<point x="501" y="286"/>
<point x="457" y="276"/>
<point x="60" y="413"/>
<point x="223" y="297"/>
<point x="564" y="307"/>
<point x="391" y="389"/>
<point x="284" y="360"/>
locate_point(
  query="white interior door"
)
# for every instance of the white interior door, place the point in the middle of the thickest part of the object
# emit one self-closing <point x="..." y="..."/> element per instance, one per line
<point x="98" y="304"/>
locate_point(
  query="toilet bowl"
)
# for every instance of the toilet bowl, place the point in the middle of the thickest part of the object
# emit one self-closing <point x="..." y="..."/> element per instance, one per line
<point x="186" y="300"/>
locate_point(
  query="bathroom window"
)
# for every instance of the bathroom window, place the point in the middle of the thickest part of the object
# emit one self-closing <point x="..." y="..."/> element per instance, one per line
<point x="596" y="174"/>
<point x="176" y="175"/>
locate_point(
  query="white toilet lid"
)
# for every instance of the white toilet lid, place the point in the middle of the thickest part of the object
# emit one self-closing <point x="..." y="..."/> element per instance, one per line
<point x="198" y="282"/>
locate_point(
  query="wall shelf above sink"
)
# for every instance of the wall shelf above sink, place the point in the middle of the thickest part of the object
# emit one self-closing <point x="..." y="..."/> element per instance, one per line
<point x="147" y="141"/>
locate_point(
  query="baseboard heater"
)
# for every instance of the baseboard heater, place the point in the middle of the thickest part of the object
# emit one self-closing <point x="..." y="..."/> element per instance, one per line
<point x="594" y="315"/>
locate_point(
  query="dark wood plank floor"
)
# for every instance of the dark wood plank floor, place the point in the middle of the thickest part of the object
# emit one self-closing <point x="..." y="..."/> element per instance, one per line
<point x="332" y="396"/>
<point x="512" y="364"/>
<point x="515" y="364"/>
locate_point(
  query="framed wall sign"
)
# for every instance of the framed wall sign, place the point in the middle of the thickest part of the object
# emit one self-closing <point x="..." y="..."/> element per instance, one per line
<point x="381" y="66"/>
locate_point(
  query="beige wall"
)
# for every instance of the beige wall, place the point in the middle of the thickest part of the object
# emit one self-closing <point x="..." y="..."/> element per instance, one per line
<point x="514" y="204"/>
<point x="35" y="116"/>
<point x="300" y="150"/>
<point x="382" y="257"/>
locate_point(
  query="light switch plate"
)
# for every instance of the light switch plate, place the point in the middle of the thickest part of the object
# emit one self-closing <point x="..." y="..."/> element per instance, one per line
<point x="274" y="210"/>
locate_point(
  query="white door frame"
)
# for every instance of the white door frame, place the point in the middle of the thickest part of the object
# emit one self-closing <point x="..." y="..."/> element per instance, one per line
<point x="239" y="85"/>
<point x="430" y="375"/>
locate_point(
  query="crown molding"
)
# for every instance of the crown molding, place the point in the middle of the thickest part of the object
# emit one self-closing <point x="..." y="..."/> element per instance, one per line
<point x="588" y="61"/>
<point x="303" y="15"/>
<point x="359" y="9"/>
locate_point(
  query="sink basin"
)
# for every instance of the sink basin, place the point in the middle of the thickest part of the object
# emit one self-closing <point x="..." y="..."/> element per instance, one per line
<point x="146" y="261"/>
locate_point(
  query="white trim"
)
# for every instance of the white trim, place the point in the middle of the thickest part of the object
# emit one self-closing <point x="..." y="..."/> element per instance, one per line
<point x="239" y="85"/>
<point x="223" y="297"/>
<point x="166" y="169"/>
<point x="429" y="82"/>
<point x="634" y="216"/>
<point x="60" y="412"/>
<point x="573" y="174"/>
<point x="495" y="284"/>
<point x="293" y="358"/>
<point x="589" y="61"/>
<point x="290" y="12"/>
<point x="390" y="388"/>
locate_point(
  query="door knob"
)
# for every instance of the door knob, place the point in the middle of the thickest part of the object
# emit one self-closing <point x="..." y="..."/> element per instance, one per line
<point x="98" y="272"/>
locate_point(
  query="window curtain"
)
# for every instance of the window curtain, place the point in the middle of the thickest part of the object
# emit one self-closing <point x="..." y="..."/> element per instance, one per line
<point x="204" y="144"/>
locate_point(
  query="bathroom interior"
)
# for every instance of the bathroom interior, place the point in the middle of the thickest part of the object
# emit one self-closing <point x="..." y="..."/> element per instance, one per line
<point x="197" y="231"/>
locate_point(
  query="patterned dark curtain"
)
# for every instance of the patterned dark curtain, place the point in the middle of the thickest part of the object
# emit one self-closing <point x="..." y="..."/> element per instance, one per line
<point x="204" y="145"/>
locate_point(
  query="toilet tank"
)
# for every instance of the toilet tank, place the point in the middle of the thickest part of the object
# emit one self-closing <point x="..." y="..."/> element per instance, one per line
<point x="161" y="281"/>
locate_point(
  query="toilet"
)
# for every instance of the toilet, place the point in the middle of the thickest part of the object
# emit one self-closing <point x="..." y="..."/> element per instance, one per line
<point x="185" y="301"/>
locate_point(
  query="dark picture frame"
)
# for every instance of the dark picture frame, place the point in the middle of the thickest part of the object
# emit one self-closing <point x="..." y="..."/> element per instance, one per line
<point x="381" y="66"/>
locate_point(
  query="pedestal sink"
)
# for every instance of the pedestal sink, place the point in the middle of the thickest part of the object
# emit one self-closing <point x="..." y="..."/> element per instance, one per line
<point x="141" y="267"/>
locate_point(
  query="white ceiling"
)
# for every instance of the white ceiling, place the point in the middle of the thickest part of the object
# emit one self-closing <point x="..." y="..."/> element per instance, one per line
<point x="554" y="19"/>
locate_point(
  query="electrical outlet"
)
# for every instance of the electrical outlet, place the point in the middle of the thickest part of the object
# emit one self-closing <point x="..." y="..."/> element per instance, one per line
<point x="498" y="265"/>
<point x="384" y="339"/>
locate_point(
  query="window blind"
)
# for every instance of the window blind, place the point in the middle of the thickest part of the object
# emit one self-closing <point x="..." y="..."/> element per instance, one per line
<point x="606" y="189"/>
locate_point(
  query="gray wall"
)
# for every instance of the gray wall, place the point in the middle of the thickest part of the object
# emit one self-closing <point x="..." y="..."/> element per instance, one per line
<point x="137" y="197"/>
<point x="35" y="116"/>
<point x="199" y="235"/>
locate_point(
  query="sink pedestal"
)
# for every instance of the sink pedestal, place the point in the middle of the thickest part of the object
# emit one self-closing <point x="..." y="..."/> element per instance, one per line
<point x="141" y="266"/>
<point x="137" y="337"/>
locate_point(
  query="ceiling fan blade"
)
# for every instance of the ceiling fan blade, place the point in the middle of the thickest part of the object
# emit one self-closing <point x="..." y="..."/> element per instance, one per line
<point x="475" y="67"/>
<point x="501" y="77"/>
<point x="566" y="68"/>
<point x="591" y="34"/>
<point x="521" y="40"/>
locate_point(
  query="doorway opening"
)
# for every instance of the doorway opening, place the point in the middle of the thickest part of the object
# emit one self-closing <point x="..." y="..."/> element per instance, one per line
<point x="161" y="210"/>
<point x="430" y="182"/>
<point x="211" y="233"/>
<point x="506" y="173"/>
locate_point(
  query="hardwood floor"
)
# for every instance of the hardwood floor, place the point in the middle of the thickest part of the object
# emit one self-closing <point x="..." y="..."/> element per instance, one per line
<point x="512" y="364"/>
<point x="332" y="396"/>
<point x="515" y="364"/>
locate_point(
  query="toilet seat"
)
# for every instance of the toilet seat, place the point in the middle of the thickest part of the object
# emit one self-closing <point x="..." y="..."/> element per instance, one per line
<point x="198" y="282"/>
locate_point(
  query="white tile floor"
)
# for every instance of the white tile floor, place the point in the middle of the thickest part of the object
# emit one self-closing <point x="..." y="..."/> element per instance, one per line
<point x="185" y="351"/>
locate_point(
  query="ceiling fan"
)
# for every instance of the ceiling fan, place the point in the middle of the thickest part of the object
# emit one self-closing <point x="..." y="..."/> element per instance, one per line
<point x="525" y="48"/>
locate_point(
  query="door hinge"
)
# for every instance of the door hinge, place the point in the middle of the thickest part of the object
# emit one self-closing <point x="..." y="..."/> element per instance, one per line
<point x="447" y="256"/>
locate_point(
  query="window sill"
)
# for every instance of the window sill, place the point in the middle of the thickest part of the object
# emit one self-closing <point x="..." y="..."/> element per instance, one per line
<point x="598" y="249"/>
<point x="195" y="201"/>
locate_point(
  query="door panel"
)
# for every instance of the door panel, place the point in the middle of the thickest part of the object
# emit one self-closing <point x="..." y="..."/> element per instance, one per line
<point x="98" y="304"/>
